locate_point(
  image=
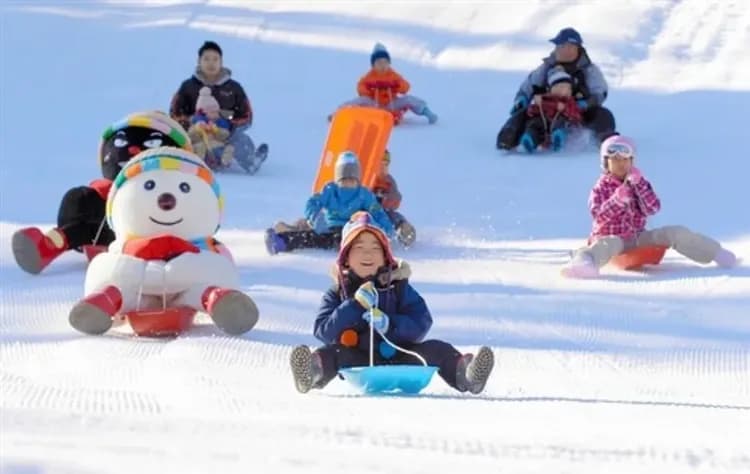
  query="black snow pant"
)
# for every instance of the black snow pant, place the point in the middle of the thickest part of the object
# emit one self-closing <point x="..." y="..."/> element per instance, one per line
<point x="437" y="354"/>
<point x="309" y="239"/>
<point x="396" y="218"/>
<point x="82" y="216"/>
<point x="596" y="118"/>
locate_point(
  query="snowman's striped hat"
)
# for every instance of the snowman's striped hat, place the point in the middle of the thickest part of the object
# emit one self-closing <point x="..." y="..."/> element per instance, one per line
<point x="164" y="158"/>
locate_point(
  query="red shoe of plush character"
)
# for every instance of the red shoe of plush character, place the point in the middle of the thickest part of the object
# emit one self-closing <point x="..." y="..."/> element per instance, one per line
<point x="232" y="311"/>
<point x="34" y="250"/>
<point x="94" y="314"/>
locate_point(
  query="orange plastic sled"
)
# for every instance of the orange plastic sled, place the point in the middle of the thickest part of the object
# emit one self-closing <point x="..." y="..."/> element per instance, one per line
<point x="167" y="322"/>
<point x="638" y="257"/>
<point x="363" y="130"/>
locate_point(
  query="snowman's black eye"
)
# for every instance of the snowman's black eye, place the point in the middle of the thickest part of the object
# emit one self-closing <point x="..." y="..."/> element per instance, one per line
<point x="120" y="142"/>
<point x="149" y="185"/>
<point x="184" y="187"/>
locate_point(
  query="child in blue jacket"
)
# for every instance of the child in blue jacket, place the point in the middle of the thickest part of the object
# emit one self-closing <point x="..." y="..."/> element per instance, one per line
<point x="369" y="278"/>
<point x="328" y="211"/>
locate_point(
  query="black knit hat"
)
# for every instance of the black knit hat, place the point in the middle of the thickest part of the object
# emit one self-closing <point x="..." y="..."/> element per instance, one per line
<point x="210" y="45"/>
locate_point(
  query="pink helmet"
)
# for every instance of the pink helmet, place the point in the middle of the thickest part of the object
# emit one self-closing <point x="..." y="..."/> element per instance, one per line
<point x="616" y="144"/>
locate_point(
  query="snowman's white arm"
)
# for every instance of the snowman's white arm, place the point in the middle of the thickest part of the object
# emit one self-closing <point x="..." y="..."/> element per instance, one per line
<point x="123" y="271"/>
<point x="207" y="268"/>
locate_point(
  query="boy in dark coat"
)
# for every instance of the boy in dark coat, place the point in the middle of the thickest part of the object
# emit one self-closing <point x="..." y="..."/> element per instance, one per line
<point x="371" y="286"/>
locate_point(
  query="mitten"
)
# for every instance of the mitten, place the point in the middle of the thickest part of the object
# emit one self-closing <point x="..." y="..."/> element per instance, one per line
<point x="367" y="295"/>
<point x="520" y="103"/>
<point x="634" y="176"/>
<point x="378" y="319"/>
<point x="623" y="194"/>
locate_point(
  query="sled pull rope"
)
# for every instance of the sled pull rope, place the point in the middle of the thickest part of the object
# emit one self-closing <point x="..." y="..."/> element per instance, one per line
<point x="391" y="343"/>
<point x="99" y="231"/>
<point x="163" y="291"/>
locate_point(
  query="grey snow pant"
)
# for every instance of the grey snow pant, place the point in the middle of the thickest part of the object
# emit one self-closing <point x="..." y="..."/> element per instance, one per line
<point x="696" y="247"/>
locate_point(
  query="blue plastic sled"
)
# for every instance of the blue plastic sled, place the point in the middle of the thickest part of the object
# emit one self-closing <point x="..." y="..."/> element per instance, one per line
<point x="389" y="378"/>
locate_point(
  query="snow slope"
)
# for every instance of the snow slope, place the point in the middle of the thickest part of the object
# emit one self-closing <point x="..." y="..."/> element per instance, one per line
<point x="631" y="373"/>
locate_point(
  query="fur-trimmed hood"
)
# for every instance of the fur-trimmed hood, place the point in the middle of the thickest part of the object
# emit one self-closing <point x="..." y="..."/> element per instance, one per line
<point x="402" y="271"/>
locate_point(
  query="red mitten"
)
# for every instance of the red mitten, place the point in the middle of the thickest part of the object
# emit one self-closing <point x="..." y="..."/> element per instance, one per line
<point x="162" y="247"/>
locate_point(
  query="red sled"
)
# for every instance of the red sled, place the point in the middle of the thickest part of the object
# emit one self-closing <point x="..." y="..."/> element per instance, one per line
<point x="638" y="257"/>
<point x="166" y="322"/>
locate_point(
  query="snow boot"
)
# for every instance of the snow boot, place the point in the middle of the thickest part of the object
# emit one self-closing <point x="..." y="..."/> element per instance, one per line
<point x="558" y="139"/>
<point x="528" y="143"/>
<point x="406" y="233"/>
<point x="274" y="242"/>
<point x="307" y="368"/>
<point x="94" y="313"/>
<point x="582" y="266"/>
<point x="431" y="116"/>
<point x="725" y="259"/>
<point x="231" y="310"/>
<point x="472" y="372"/>
<point x="33" y="250"/>
<point x="254" y="162"/>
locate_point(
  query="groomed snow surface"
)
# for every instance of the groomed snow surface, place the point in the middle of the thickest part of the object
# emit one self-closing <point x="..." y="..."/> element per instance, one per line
<point x="631" y="373"/>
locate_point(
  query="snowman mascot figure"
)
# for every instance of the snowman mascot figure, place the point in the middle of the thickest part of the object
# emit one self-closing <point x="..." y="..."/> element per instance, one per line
<point x="164" y="208"/>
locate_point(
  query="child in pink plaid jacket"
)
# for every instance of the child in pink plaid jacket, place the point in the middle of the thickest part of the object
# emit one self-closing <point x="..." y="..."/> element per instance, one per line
<point x="620" y="203"/>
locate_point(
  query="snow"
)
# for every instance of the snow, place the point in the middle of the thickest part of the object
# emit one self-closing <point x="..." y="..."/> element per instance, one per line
<point x="634" y="372"/>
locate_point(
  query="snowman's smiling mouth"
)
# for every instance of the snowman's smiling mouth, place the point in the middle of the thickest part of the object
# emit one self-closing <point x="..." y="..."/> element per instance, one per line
<point x="165" y="223"/>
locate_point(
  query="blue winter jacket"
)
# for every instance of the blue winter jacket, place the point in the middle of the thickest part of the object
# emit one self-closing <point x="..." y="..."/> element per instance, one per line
<point x="340" y="203"/>
<point x="410" y="320"/>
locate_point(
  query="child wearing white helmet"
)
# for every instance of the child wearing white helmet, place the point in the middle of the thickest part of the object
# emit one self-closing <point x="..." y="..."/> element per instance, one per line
<point x="620" y="202"/>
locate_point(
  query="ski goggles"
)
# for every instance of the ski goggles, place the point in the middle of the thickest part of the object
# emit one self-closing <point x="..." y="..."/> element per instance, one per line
<point x="619" y="150"/>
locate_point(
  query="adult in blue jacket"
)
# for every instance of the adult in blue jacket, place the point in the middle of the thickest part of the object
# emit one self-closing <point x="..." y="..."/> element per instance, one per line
<point x="373" y="288"/>
<point x="589" y="87"/>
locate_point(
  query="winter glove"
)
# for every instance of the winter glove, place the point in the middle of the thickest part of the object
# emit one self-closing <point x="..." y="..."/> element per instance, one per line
<point x="634" y="176"/>
<point x="380" y="321"/>
<point x="624" y="194"/>
<point x="583" y="104"/>
<point x="520" y="104"/>
<point x="367" y="295"/>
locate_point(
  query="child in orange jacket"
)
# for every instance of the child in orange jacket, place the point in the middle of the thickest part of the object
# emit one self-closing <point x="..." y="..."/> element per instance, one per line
<point x="383" y="87"/>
